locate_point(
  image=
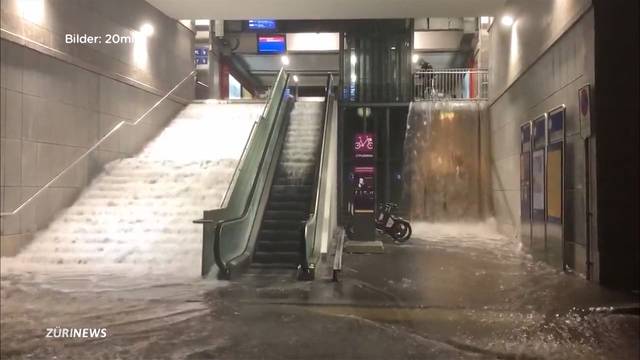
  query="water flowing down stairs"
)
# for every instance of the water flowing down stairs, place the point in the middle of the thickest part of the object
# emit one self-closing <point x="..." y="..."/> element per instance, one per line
<point x="136" y="217"/>
<point x="280" y="240"/>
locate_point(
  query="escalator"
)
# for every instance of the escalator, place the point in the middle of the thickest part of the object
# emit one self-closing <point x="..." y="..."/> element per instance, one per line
<point x="279" y="242"/>
<point x="278" y="212"/>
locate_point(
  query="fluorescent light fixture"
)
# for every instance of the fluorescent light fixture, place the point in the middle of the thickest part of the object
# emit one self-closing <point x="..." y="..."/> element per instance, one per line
<point x="353" y="59"/>
<point x="507" y="20"/>
<point x="353" y="78"/>
<point x="484" y="20"/>
<point x="295" y="78"/>
<point x="415" y="58"/>
<point x="147" y="29"/>
<point x="313" y="42"/>
<point x="285" y="60"/>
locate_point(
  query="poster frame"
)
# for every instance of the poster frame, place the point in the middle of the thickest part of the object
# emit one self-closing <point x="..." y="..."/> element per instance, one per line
<point x="538" y="217"/>
<point x="560" y="109"/>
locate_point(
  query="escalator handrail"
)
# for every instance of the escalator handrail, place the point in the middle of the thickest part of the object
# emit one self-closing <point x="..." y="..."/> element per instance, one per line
<point x="282" y="77"/>
<point x="313" y="213"/>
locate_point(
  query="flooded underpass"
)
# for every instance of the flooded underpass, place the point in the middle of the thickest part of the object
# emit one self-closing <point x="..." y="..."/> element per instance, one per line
<point x="453" y="291"/>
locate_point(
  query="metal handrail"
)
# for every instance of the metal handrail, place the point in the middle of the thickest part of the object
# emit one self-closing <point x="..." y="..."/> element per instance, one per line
<point x="223" y="264"/>
<point x="320" y="170"/>
<point x="449" y="83"/>
<point x="95" y="146"/>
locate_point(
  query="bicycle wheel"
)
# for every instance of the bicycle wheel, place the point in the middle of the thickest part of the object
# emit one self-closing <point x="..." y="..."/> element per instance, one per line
<point x="401" y="231"/>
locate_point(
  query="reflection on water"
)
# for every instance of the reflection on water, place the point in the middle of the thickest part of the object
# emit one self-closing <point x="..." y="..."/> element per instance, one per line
<point x="442" y="160"/>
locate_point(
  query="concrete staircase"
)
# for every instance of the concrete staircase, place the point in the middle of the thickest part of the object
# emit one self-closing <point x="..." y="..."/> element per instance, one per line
<point x="137" y="215"/>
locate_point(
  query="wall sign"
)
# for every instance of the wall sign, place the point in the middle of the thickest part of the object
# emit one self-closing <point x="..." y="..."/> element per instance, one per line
<point x="584" y="109"/>
<point x="201" y="55"/>
<point x="363" y="146"/>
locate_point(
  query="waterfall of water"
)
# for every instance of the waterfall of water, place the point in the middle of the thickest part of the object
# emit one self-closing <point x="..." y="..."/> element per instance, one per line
<point x="137" y="215"/>
<point x="442" y="160"/>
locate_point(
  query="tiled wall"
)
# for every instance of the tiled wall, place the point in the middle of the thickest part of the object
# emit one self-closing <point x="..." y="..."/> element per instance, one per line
<point x="544" y="78"/>
<point x="57" y="100"/>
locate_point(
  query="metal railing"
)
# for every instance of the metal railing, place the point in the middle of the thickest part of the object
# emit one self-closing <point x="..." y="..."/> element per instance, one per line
<point x="95" y="146"/>
<point x="459" y="84"/>
<point x="311" y="227"/>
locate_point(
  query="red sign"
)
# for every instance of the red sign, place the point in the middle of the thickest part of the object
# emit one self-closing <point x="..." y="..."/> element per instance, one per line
<point x="363" y="145"/>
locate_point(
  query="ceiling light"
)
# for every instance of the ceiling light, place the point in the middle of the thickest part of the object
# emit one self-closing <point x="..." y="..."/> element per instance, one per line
<point x="285" y="60"/>
<point x="415" y="58"/>
<point x="146" y="29"/>
<point x="507" y="20"/>
<point x="353" y="78"/>
<point x="31" y="10"/>
<point x="295" y="78"/>
<point x="353" y="59"/>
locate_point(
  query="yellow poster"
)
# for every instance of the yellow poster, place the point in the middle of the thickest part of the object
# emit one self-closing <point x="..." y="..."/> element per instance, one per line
<point x="554" y="184"/>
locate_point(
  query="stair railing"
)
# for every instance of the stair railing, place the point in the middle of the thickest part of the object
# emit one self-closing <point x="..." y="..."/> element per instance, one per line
<point x="95" y="146"/>
<point x="311" y="226"/>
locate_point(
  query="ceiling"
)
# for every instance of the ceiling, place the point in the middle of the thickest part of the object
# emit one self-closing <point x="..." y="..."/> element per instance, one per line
<point x="324" y="9"/>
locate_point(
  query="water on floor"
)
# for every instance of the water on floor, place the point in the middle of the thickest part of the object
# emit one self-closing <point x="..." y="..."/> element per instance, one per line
<point x="454" y="291"/>
<point x="473" y="288"/>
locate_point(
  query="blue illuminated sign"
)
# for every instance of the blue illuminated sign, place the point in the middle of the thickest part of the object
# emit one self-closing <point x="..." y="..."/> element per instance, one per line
<point x="201" y="55"/>
<point x="262" y="24"/>
<point x="271" y="44"/>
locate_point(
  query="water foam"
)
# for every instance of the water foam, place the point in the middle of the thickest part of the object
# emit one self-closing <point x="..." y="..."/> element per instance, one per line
<point x="136" y="217"/>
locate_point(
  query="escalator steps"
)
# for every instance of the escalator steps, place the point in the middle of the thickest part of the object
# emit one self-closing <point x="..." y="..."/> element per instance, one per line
<point x="281" y="236"/>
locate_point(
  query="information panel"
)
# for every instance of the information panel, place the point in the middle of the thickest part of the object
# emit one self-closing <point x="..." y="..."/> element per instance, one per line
<point x="555" y="250"/>
<point x="271" y="44"/>
<point x="261" y="25"/>
<point x="538" y="179"/>
<point x="554" y="183"/>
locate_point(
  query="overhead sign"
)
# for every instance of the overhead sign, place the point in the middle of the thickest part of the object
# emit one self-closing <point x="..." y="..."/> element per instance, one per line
<point x="271" y="44"/>
<point x="261" y="24"/>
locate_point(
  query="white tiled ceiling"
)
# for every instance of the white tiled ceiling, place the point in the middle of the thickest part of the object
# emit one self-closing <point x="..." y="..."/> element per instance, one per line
<point x="324" y="9"/>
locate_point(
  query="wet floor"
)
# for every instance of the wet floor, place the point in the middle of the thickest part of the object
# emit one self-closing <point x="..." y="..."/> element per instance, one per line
<point x="452" y="292"/>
